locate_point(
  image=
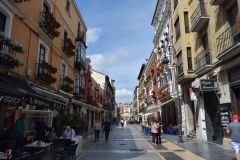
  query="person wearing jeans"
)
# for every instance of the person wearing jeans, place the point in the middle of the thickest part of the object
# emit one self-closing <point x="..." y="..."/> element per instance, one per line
<point x="154" y="131"/>
<point x="97" y="128"/>
<point x="107" y="127"/>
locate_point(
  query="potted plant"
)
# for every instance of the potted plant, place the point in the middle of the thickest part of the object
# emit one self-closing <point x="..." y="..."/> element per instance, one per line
<point x="68" y="80"/>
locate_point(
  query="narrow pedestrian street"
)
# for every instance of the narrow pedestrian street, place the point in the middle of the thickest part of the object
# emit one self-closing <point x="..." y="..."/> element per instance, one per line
<point x="130" y="143"/>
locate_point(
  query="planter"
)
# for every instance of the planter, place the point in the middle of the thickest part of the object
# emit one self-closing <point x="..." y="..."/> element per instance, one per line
<point x="68" y="80"/>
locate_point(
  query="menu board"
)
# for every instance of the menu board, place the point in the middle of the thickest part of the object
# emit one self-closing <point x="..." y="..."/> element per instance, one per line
<point x="225" y="114"/>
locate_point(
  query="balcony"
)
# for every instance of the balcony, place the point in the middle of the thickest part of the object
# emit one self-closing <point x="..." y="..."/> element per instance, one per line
<point x="44" y="73"/>
<point x="228" y="43"/>
<point x="178" y="36"/>
<point x="199" y="18"/>
<point x="79" y="91"/>
<point x="216" y="2"/>
<point x="9" y="48"/>
<point x="150" y="99"/>
<point x="66" y="84"/>
<point x="49" y="24"/>
<point x="180" y="69"/>
<point x="79" y="63"/>
<point x="175" y="4"/>
<point x="68" y="47"/>
<point x="203" y="62"/>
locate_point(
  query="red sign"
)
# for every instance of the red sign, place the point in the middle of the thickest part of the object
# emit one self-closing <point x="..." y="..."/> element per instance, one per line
<point x="9" y="118"/>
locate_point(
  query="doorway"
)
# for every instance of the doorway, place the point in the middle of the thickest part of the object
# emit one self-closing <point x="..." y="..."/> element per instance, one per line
<point x="213" y="120"/>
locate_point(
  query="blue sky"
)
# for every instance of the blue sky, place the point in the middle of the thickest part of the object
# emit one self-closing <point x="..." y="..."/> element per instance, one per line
<point x="119" y="39"/>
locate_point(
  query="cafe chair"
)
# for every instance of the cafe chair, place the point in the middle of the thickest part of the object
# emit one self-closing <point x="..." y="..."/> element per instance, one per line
<point x="26" y="157"/>
<point x="37" y="155"/>
<point x="71" y="152"/>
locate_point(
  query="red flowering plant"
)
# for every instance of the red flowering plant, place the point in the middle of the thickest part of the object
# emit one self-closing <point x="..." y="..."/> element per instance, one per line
<point x="67" y="88"/>
<point x="69" y="49"/>
<point x="47" y="77"/>
<point x="68" y="80"/>
<point x="48" y="67"/>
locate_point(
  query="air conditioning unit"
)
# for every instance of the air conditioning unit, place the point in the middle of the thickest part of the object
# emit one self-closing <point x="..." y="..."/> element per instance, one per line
<point x="28" y="72"/>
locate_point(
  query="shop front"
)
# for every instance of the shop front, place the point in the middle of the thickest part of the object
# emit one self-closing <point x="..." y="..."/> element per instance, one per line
<point x="17" y="97"/>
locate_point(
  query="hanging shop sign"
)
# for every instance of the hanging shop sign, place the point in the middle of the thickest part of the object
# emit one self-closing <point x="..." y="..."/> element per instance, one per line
<point x="209" y="85"/>
<point x="10" y="100"/>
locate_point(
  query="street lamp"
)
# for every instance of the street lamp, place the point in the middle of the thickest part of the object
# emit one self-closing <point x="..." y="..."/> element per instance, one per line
<point x="165" y="62"/>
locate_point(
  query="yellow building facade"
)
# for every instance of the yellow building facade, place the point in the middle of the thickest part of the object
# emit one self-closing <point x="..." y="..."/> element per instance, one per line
<point x="52" y="35"/>
<point x="207" y="39"/>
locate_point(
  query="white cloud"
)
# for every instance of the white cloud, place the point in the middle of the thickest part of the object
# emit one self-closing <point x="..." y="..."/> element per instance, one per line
<point x="93" y="35"/>
<point x="124" y="96"/>
<point x="102" y="62"/>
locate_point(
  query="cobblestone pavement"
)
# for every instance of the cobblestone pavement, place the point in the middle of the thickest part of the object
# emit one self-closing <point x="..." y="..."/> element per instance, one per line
<point x="130" y="143"/>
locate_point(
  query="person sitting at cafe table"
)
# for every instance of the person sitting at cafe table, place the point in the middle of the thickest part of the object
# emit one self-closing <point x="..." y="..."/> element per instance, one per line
<point x="68" y="133"/>
<point x="51" y="135"/>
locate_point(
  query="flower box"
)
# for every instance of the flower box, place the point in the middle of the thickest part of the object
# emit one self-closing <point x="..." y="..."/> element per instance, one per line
<point x="11" y="44"/>
<point x="10" y="61"/>
<point x="67" y="88"/>
<point x="47" y="77"/>
<point x="48" y="67"/>
<point x="68" y="80"/>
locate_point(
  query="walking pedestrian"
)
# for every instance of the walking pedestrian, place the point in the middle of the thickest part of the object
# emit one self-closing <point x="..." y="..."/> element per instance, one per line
<point x="125" y="123"/>
<point x="122" y="122"/>
<point x="107" y="128"/>
<point x="154" y="131"/>
<point x="20" y="128"/>
<point x="234" y="129"/>
<point x="159" y="140"/>
<point x="40" y="130"/>
<point x="97" y="128"/>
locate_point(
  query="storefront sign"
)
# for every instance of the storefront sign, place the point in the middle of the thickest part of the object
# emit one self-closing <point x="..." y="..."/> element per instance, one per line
<point x="234" y="75"/>
<point x="58" y="106"/>
<point x="38" y="102"/>
<point x="10" y="100"/>
<point x="209" y="85"/>
<point x="9" y="118"/>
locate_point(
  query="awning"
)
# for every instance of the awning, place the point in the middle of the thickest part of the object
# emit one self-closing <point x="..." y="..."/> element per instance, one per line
<point x="51" y="94"/>
<point x="78" y="103"/>
<point x="33" y="98"/>
<point x="157" y="107"/>
<point x="9" y="96"/>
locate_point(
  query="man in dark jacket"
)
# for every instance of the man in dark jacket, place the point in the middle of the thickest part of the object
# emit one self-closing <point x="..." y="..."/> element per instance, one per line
<point x="107" y="126"/>
<point x="40" y="130"/>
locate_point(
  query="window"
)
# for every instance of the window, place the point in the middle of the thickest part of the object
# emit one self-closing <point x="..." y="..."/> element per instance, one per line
<point x="63" y="70"/>
<point x="42" y="55"/>
<point x="177" y="29"/>
<point x="180" y="64"/>
<point x="83" y="52"/>
<point x="175" y="4"/>
<point x="68" y="6"/>
<point x="234" y="14"/>
<point x="205" y="43"/>
<point x="45" y="7"/>
<point x="65" y="39"/>
<point x="189" y="58"/>
<point x="186" y="22"/>
<point x="2" y="22"/>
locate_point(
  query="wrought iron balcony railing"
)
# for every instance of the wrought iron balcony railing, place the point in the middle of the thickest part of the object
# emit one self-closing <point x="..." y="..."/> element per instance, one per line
<point x="203" y="59"/>
<point x="78" y="90"/>
<point x="178" y="36"/>
<point x="175" y="4"/>
<point x="229" y="38"/>
<point x="79" y="63"/>
<point x="180" y="68"/>
<point x="199" y="12"/>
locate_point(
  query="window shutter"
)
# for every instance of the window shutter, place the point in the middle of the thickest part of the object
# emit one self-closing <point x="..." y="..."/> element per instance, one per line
<point x="189" y="54"/>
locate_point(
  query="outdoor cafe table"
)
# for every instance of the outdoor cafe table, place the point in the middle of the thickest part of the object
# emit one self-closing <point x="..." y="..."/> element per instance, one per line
<point x="78" y="140"/>
<point x="33" y="147"/>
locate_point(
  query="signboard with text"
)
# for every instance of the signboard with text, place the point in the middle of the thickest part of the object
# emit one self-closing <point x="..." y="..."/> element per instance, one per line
<point x="209" y="85"/>
<point x="10" y="100"/>
<point x="9" y="118"/>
